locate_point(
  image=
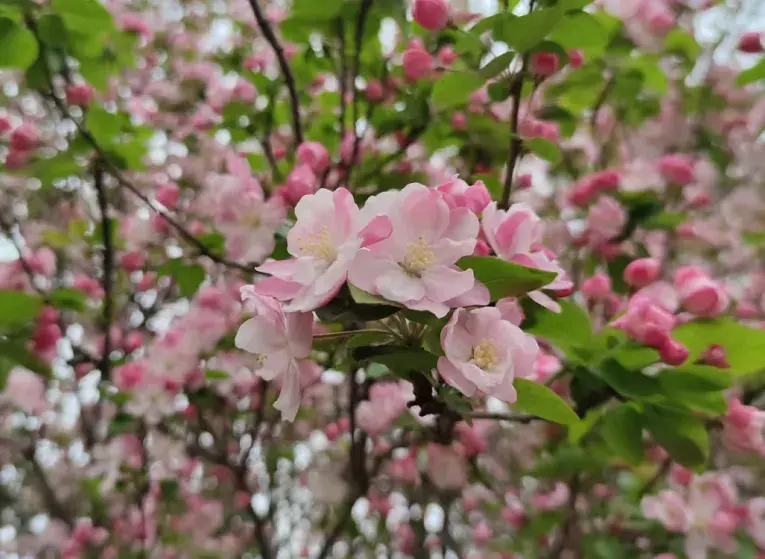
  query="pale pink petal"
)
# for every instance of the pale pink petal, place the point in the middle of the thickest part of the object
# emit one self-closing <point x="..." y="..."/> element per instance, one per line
<point x="258" y="335"/>
<point x="442" y="283"/>
<point x="454" y="377"/>
<point x="378" y="229"/>
<point x="545" y="300"/>
<point x="300" y="333"/>
<point x="289" y="397"/>
<point x="278" y="288"/>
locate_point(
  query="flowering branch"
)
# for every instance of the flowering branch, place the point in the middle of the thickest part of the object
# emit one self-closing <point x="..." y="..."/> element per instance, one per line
<point x="268" y="33"/>
<point x="108" y="267"/>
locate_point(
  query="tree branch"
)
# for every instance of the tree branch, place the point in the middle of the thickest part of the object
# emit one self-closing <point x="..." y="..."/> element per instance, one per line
<point x="268" y="34"/>
<point x="516" y="144"/>
<point x="108" y="267"/>
<point x="504" y="417"/>
<point x="366" y="5"/>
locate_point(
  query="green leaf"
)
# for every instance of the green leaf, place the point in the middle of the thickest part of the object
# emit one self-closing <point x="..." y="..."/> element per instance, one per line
<point x="565" y="462"/>
<point x="18" y="46"/>
<point x="695" y="378"/>
<point x="682" y="43"/>
<point x="580" y="30"/>
<point x="51" y="30"/>
<point x="577" y="431"/>
<point x="623" y="431"/>
<point x="66" y="298"/>
<point x="525" y="32"/>
<point x="497" y="65"/>
<point x="682" y="435"/>
<point x="363" y="298"/>
<point x="215" y="374"/>
<point x="316" y="10"/>
<point x="18" y="308"/>
<point x="368" y="338"/>
<point x="569" y="328"/>
<point x="376" y="370"/>
<point x="505" y="279"/>
<point x="188" y="277"/>
<point x="454" y="88"/>
<point x="88" y="17"/>
<point x="16" y="353"/>
<point x="104" y="125"/>
<point x="401" y="359"/>
<point x="743" y="344"/>
<point x="545" y="149"/>
<point x="753" y="74"/>
<point x="632" y="384"/>
<point x="539" y="400"/>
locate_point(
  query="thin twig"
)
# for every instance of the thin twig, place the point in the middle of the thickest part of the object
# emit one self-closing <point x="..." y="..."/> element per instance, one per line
<point x="108" y="267"/>
<point x="366" y="5"/>
<point x="289" y="78"/>
<point x="55" y="507"/>
<point x="516" y="144"/>
<point x="504" y="417"/>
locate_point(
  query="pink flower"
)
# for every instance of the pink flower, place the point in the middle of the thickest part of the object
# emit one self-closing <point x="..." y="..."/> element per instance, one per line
<point x="756" y="520"/>
<point x="744" y="428"/>
<point x="300" y="182"/>
<point x="575" y="58"/>
<point x="605" y="220"/>
<point x="447" y="466"/>
<point x="597" y="287"/>
<point x="25" y="137"/>
<point x="677" y="169"/>
<point x="329" y="232"/>
<point x="314" y="155"/>
<point x="458" y="194"/>
<point x="512" y="232"/>
<point x="552" y="500"/>
<point x="79" y="94"/>
<point x="418" y="63"/>
<point x="750" y="42"/>
<point x="699" y="294"/>
<point x="132" y="261"/>
<point x="25" y="390"/>
<point x="642" y="272"/>
<point x="669" y="508"/>
<point x="375" y="91"/>
<point x="433" y="15"/>
<point x="715" y="356"/>
<point x="446" y="55"/>
<point x="510" y="310"/>
<point x="646" y="322"/>
<point x="167" y="195"/>
<point x="415" y="266"/>
<point x="5" y="124"/>
<point x="387" y="401"/>
<point x="459" y="121"/>
<point x="544" y="63"/>
<point x="673" y="352"/>
<point x="279" y="339"/>
<point x="484" y="353"/>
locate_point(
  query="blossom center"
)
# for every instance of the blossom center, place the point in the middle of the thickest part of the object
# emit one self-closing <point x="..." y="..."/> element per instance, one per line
<point x="318" y="245"/>
<point x="485" y="354"/>
<point x="419" y="257"/>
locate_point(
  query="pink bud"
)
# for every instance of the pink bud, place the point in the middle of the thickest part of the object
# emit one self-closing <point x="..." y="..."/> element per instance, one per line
<point x="481" y="248"/>
<point x="48" y="315"/>
<point x="418" y="63"/>
<point x="5" y="124"/>
<point x="167" y="195"/>
<point x="343" y="424"/>
<point x="25" y="137"/>
<point x="375" y="91"/>
<point x="433" y="15"/>
<point x="314" y="155"/>
<point x="673" y="353"/>
<point x="481" y="533"/>
<point x="79" y="94"/>
<point x="575" y="58"/>
<point x="523" y="181"/>
<point x="597" y="287"/>
<point x="446" y="55"/>
<point x="45" y="338"/>
<point x="739" y="415"/>
<point x="16" y="159"/>
<point x="544" y="63"/>
<point x="147" y="281"/>
<point x="715" y="356"/>
<point x="459" y="121"/>
<point x="750" y="42"/>
<point x="332" y="431"/>
<point x="132" y="342"/>
<point x="677" y="168"/>
<point x="642" y="272"/>
<point x="132" y="261"/>
<point x="680" y="475"/>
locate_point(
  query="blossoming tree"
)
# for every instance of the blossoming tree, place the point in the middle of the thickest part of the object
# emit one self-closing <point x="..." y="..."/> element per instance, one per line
<point x="370" y="278"/>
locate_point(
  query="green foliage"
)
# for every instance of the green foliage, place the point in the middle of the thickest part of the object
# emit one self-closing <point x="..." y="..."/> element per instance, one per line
<point x="505" y="279"/>
<point x="567" y="329"/>
<point x="18" y="308"/>
<point x="18" y="46"/>
<point x="743" y="344"/>
<point x="545" y="149"/>
<point x="525" y="32"/>
<point x="753" y="74"/>
<point x="401" y="359"/>
<point x="623" y="431"/>
<point x="65" y="298"/>
<point x="14" y="352"/>
<point x="539" y="400"/>
<point x="681" y="434"/>
<point x="188" y="277"/>
<point x="580" y="30"/>
<point x="454" y="88"/>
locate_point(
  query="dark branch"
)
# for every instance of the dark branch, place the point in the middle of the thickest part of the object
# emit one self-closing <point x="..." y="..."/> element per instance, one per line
<point x="289" y="78"/>
<point x="108" y="267"/>
<point x="516" y="144"/>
